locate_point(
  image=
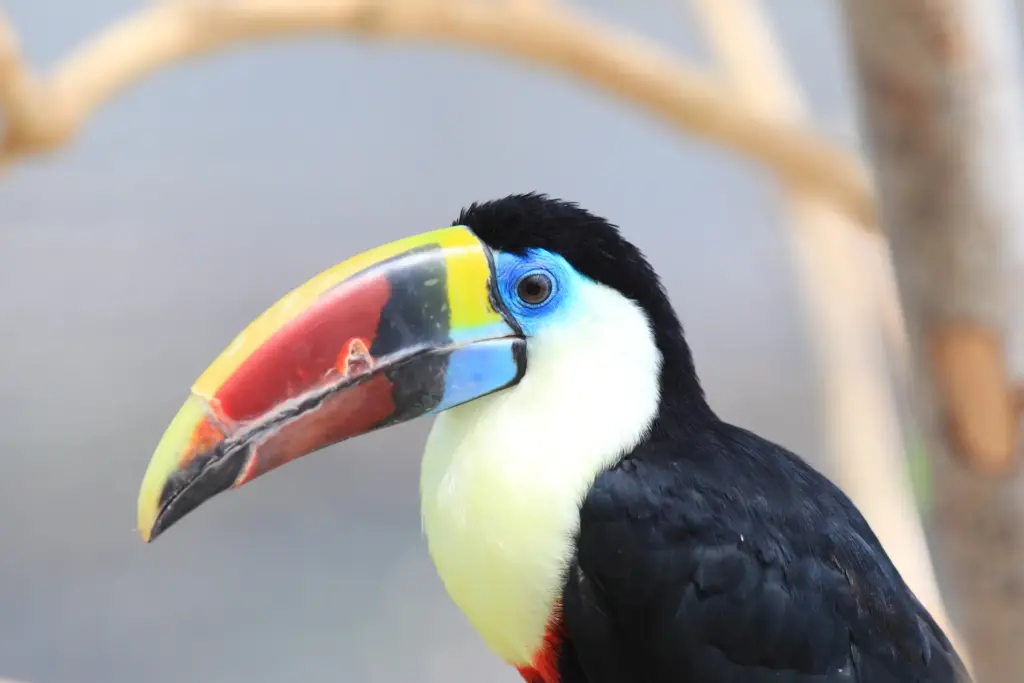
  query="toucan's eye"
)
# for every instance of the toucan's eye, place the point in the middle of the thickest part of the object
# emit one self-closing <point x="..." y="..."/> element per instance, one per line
<point x="534" y="288"/>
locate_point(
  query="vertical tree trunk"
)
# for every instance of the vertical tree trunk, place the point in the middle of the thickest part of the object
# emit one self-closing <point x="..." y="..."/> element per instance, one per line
<point x="838" y="265"/>
<point x="938" y="97"/>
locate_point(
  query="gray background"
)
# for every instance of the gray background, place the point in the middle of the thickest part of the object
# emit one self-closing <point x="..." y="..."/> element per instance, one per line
<point x="194" y="201"/>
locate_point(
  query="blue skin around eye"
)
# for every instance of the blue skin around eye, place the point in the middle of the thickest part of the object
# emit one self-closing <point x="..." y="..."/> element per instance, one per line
<point x="511" y="268"/>
<point x="477" y="369"/>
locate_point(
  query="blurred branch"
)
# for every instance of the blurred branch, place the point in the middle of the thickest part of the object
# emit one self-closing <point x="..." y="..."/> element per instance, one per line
<point x="836" y="263"/>
<point x="23" y="102"/>
<point x="48" y="113"/>
<point x="938" y="83"/>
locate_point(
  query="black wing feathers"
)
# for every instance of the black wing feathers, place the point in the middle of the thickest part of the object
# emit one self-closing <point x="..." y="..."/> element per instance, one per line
<point x="737" y="563"/>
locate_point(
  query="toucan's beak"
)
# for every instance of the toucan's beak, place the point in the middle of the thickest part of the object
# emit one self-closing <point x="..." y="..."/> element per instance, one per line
<point x="409" y="328"/>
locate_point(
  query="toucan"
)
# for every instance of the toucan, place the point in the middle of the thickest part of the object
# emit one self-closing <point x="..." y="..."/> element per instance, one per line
<point x="584" y="506"/>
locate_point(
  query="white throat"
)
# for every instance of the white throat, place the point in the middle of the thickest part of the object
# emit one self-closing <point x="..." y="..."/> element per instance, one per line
<point x="503" y="476"/>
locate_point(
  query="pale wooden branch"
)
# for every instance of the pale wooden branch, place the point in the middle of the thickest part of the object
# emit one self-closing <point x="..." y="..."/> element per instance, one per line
<point x="22" y="101"/>
<point x="544" y="33"/>
<point x="838" y="265"/>
<point x="938" y="81"/>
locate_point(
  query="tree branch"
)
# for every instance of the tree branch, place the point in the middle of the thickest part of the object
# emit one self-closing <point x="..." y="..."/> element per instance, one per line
<point x="21" y="97"/>
<point x="543" y="33"/>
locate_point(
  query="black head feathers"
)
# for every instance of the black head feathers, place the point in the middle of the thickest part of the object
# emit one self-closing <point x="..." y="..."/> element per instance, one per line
<point x="595" y="248"/>
<point x="591" y="244"/>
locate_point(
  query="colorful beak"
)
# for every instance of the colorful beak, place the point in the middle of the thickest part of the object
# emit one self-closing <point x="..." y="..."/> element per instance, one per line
<point x="403" y="330"/>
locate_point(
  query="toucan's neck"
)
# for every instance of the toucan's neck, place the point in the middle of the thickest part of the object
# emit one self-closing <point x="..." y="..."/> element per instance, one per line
<point x="683" y="409"/>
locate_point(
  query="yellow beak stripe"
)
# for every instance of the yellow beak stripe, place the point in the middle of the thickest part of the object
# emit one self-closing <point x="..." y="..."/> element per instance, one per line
<point x="464" y="313"/>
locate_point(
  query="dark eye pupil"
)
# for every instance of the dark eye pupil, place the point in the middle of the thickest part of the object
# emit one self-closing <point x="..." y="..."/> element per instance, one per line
<point x="535" y="288"/>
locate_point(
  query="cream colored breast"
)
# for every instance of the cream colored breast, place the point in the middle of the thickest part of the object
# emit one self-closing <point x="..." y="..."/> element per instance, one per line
<point x="503" y="476"/>
<point x="499" y="530"/>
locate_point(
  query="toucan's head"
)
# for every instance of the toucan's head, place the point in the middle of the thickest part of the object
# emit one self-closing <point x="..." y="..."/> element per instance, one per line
<point x="520" y="288"/>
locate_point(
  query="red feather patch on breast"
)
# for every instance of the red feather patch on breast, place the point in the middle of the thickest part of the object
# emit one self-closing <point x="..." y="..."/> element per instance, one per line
<point x="544" y="667"/>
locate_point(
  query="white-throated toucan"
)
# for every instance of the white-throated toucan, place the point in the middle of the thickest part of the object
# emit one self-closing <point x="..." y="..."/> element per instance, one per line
<point x="584" y="506"/>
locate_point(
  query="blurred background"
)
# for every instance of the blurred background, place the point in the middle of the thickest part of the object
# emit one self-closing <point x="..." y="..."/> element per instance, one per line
<point x="196" y="199"/>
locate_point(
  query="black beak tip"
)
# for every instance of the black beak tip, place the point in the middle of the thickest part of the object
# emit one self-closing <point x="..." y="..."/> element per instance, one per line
<point x="208" y="474"/>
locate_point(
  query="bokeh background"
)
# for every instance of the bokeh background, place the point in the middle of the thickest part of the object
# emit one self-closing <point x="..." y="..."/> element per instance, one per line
<point x="129" y="260"/>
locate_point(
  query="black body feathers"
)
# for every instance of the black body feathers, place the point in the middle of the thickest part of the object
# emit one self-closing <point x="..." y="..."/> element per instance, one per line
<point x="724" y="558"/>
